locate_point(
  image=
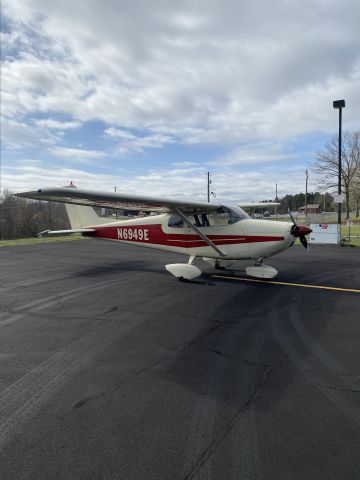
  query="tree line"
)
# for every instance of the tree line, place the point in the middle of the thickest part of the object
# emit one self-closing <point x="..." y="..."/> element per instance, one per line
<point x="294" y="202"/>
<point x="20" y="218"/>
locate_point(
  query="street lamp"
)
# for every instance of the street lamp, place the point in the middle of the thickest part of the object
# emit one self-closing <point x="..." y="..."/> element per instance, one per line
<point x="306" y="186"/>
<point x="339" y="104"/>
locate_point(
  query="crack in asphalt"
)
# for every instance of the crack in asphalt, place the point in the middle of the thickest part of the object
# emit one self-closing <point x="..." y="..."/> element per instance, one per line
<point x="120" y="384"/>
<point x="228" y="427"/>
<point x="220" y="353"/>
<point x="334" y="387"/>
<point x="299" y="347"/>
<point x="353" y="378"/>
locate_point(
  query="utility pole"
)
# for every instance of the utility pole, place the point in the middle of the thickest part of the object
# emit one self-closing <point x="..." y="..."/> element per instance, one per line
<point x="116" y="212"/>
<point x="208" y="186"/>
<point x="276" y="199"/>
<point x="306" y="187"/>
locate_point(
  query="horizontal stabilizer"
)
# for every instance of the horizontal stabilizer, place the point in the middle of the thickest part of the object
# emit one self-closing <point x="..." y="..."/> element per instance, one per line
<point x="47" y="233"/>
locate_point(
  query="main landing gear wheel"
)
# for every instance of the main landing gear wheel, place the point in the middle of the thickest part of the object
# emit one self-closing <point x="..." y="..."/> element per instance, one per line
<point x="183" y="271"/>
<point x="259" y="270"/>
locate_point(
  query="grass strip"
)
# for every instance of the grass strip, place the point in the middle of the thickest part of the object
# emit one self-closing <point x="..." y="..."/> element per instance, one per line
<point x="40" y="241"/>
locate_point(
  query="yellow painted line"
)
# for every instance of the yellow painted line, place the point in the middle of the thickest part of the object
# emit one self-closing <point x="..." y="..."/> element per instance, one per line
<point x="321" y="287"/>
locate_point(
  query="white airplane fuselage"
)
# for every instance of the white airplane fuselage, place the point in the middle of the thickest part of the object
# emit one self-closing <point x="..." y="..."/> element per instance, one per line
<point x="245" y="239"/>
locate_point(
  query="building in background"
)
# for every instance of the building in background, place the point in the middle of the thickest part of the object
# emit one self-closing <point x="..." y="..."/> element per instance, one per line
<point x="311" y="208"/>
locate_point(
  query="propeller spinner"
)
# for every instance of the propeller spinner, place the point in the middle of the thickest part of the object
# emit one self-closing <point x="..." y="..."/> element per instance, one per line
<point x="299" y="231"/>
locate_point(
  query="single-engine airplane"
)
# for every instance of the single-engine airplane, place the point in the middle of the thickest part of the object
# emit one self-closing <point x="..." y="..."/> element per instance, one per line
<point x="219" y="233"/>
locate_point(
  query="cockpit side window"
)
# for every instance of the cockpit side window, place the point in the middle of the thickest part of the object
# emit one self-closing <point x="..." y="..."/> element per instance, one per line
<point x="198" y="220"/>
<point x="176" y="222"/>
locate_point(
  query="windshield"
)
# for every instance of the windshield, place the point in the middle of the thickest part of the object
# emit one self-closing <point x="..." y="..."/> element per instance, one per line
<point x="225" y="215"/>
<point x="234" y="212"/>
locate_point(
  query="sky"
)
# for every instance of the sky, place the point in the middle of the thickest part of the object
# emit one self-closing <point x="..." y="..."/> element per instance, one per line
<point x="149" y="96"/>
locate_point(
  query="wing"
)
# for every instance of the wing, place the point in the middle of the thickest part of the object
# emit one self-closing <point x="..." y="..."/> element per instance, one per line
<point x="116" y="200"/>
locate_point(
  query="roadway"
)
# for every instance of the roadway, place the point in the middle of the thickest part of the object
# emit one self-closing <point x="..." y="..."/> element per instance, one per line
<point x="110" y="368"/>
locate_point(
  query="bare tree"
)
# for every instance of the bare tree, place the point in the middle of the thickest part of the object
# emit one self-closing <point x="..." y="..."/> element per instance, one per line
<point x="327" y="167"/>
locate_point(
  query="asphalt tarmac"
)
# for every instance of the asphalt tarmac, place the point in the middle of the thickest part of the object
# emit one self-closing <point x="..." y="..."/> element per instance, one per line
<point x="110" y="368"/>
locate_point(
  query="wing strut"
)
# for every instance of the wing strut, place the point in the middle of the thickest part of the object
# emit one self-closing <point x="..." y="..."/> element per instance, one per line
<point x="199" y="232"/>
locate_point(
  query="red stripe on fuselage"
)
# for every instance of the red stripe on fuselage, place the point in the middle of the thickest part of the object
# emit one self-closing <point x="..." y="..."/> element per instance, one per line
<point x="154" y="234"/>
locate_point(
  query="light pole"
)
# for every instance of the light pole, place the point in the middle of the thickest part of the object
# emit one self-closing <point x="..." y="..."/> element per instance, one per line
<point x="306" y="186"/>
<point x="339" y="104"/>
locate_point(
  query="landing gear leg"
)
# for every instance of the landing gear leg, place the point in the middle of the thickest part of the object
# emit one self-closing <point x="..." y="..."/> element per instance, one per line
<point x="259" y="262"/>
<point x="218" y="265"/>
<point x="191" y="259"/>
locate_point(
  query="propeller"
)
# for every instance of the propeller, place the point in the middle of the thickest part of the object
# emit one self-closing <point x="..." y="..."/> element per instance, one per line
<point x="299" y="231"/>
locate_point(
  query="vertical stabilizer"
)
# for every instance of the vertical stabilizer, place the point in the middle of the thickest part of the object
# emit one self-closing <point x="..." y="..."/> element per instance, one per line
<point x="81" y="216"/>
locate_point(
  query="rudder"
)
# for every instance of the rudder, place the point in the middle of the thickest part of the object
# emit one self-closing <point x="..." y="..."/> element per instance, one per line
<point x="81" y="216"/>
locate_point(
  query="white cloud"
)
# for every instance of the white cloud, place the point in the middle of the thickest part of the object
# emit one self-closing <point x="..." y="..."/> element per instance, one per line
<point x="118" y="133"/>
<point x="55" y="124"/>
<point x="259" y="153"/>
<point x="217" y="66"/>
<point x="29" y="177"/>
<point x="76" y="154"/>
<point x="130" y="143"/>
<point x="19" y="135"/>
<point x="190" y="183"/>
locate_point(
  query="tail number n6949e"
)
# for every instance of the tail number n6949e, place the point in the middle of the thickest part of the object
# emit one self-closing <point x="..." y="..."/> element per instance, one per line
<point x="137" y="234"/>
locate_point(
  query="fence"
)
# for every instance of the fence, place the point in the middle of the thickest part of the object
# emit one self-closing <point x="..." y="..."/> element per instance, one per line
<point x="326" y="217"/>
